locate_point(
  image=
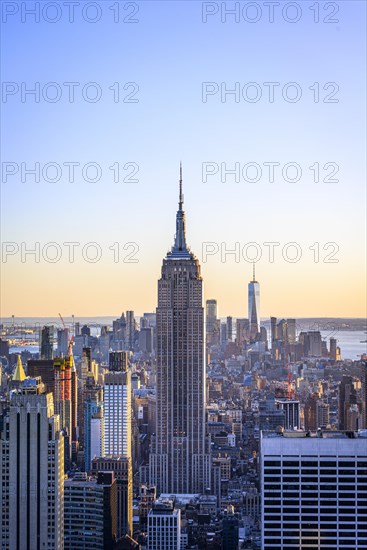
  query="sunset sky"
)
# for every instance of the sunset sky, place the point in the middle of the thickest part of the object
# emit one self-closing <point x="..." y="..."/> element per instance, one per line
<point x="169" y="53"/>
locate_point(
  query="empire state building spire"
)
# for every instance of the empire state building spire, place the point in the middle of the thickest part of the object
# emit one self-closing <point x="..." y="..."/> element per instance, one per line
<point x="180" y="248"/>
<point x="181" y="200"/>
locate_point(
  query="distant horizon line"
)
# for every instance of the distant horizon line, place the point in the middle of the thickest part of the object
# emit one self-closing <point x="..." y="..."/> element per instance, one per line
<point x="10" y="318"/>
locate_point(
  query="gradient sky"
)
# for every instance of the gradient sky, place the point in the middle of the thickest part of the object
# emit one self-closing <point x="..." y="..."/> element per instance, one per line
<point x="169" y="53"/>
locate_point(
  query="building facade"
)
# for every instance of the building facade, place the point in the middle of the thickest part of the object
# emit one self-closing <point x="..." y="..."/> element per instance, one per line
<point x="32" y="472"/>
<point x="179" y="462"/>
<point x="254" y="306"/>
<point x="118" y="361"/>
<point x="47" y="342"/>
<point x="121" y="466"/>
<point x="90" y="512"/>
<point x="292" y="413"/>
<point x="313" y="491"/>
<point x="164" y="526"/>
<point x="117" y="413"/>
<point x="94" y="432"/>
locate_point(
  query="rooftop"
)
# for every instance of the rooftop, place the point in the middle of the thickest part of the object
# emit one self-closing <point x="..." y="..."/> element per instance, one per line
<point x="325" y="434"/>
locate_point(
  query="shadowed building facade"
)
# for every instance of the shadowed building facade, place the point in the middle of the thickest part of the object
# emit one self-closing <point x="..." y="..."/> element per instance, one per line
<point x="31" y="472"/>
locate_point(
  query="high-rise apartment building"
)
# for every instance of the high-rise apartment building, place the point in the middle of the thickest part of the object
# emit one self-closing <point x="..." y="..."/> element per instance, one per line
<point x="32" y="472"/>
<point x="313" y="491"/>
<point x="179" y="462"/>
<point x="117" y="413"/>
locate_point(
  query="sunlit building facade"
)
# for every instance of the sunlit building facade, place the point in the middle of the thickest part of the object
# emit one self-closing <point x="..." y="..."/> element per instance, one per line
<point x="179" y="462"/>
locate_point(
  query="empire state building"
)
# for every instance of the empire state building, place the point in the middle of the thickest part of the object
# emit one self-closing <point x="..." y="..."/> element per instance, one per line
<point x="179" y="462"/>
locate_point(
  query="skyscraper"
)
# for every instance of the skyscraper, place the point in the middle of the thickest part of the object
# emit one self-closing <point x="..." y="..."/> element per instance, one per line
<point x="229" y="328"/>
<point x="63" y="396"/>
<point x="212" y="337"/>
<point x="254" y="305"/>
<point x="291" y="409"/>
<point x="313" y="491"/>
<point x="117" y="412"/>
<point x="130" y="330"/>
<point x="91" y="512"/>
<point x="348" y="397"/>
<point x="273" y="325"/>
<point x="62" y="341"/>
<point x="47" y="342"/>
<point x="179" y="462"/>
<point x="121" y="466"/>
<point x="31" y="472"/>
<point x="333" y="349"/>
<point x="59" y="377"/>
<point x="94" y="432"/>
<point x="118" y="361"/>
<point x="146" y="339"/>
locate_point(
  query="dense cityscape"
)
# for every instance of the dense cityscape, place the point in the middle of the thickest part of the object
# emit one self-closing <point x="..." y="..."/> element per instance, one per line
<point x="180" y="429"/>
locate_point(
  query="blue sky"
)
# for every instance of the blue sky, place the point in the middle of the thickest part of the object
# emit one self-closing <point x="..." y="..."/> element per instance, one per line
<point x="169" y="53"/>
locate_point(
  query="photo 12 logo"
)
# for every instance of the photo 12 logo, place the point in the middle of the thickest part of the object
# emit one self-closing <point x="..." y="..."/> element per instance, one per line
<point x="269" y="92"/>
<point x="69" y="92"/>
<point x="68" y="172"/>
<point x="69" y="252"/>
<point x="70" y="12"/>
<point x="270" y="251"/>
<point x="270" y="12"/>
<point x="269" y="172"/>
